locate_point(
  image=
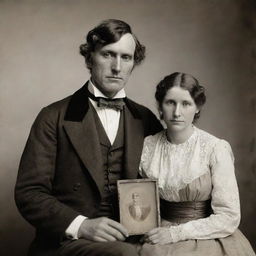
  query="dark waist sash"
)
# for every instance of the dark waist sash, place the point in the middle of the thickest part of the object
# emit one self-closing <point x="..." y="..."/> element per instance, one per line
<point x="181" y="212"/>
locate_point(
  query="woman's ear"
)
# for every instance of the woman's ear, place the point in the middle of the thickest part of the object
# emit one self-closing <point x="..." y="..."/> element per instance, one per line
<point x="160" y="112"/>
<point x="198" y="110"/>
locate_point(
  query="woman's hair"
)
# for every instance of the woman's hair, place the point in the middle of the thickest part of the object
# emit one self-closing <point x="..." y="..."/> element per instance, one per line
<point x="186" y="82"/>
<point x="107" y="32"/>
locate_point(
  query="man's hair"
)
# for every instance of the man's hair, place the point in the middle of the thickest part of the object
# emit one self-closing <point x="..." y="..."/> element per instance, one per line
<point x="107" y="32"/>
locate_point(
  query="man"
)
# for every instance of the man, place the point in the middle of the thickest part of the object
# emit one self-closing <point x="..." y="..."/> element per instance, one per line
<point x="79" y="147"/>
<point x="137" y="210"/>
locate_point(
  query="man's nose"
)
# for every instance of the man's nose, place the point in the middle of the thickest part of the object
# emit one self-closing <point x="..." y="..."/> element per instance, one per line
<point x="116" y="65"/>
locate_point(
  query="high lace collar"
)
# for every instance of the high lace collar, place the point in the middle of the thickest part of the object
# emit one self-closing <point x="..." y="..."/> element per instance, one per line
<point x="176" y="165"/>
<point x="186" y="142"/>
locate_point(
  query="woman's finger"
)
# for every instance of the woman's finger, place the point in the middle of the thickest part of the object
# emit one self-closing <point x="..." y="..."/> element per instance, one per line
<point x="153" y="231"/>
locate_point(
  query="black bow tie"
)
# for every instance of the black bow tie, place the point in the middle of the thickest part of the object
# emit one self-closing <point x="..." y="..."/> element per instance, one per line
<point x="116" y="104"/>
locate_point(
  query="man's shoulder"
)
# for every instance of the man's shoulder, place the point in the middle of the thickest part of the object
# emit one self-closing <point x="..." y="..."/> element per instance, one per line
<point x="54" y="111"/>
<point x="59" y="105"/>
<point x="150" y="123"/>
<point x="62" y="104"/>
<point x="140" y="108"/>
<point x="136" y="103"/>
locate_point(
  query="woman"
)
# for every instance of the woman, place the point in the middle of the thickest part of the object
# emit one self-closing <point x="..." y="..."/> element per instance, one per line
<point x="200" y="207"/>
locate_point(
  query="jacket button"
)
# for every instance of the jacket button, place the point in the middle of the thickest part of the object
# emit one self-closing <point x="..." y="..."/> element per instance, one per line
<point x="76" y="186"/>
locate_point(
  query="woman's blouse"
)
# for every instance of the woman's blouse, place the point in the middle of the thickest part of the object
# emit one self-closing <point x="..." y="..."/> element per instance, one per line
<point x="199" y="169"/>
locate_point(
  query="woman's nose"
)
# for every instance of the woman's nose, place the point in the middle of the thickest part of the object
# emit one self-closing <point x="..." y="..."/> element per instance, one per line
<point x="177" y="111"/>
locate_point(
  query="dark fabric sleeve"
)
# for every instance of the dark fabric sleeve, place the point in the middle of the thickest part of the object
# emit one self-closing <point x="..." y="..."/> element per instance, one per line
<point x="33" y="192"/>
<point x="153" y="125"/>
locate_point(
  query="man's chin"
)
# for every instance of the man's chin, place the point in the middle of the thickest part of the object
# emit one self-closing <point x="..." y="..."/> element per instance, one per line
<point x="114" y="89"/>
<point x="116" y="84"/>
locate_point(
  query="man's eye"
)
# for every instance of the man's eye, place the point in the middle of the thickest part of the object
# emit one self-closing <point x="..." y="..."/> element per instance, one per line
<point x="106" y="54"/>
<point x="126" y="57"/>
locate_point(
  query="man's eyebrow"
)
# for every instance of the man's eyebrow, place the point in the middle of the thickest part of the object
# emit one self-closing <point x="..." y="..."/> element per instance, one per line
<point x="108" y="51"/>
<point x="128" y="54"/>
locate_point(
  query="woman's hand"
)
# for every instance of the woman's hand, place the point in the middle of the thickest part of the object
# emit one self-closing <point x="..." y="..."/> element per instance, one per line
<point x="158" y="236"/>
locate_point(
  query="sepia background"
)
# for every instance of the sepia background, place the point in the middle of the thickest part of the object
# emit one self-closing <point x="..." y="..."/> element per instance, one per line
<point x="214" y="40"/>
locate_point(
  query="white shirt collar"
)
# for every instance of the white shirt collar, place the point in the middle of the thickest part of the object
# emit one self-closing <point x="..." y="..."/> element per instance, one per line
<point x="97" y="93"/>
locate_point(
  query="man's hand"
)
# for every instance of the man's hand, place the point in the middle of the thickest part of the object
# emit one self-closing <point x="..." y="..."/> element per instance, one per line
<point x="102" y="230"/>
<point x="158" y="236"/>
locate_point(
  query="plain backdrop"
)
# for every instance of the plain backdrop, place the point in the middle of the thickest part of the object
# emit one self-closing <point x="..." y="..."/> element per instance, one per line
<point x="40" y="63"/>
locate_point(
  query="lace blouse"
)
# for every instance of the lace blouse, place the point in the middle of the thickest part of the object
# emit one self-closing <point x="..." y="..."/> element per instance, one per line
<point x="199" y="169"/>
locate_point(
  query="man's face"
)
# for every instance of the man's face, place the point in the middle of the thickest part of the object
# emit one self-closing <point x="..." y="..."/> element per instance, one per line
<point x="112" y="65"/>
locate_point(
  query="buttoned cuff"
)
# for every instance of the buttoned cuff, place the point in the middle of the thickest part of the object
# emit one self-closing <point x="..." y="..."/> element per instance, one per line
<point x="72" y="230"/>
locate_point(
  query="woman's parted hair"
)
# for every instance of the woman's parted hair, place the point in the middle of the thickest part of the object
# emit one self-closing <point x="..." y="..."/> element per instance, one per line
<point x="107" y="32"/>
<point x="185" y="81"/>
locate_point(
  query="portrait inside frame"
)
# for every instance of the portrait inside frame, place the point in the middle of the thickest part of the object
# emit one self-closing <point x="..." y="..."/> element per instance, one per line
<point x="138" y="205"/>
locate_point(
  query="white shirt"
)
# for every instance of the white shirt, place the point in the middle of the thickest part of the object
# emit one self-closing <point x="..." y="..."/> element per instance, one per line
<point x="110" y="121"/>
<point x="109" y="117"/>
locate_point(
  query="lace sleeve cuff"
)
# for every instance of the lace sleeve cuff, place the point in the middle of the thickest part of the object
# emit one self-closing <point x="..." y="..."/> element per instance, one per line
<point x="177" y="234"/>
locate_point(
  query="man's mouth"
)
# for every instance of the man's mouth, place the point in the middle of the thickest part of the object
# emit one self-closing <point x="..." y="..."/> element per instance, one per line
<point x="115" y="77"/>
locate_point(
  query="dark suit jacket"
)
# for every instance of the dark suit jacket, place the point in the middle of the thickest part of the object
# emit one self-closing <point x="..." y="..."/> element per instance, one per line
<point x="60" y="174"/>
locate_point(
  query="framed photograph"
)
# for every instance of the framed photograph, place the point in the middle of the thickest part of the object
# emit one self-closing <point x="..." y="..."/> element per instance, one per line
<point x="138" y="205"/>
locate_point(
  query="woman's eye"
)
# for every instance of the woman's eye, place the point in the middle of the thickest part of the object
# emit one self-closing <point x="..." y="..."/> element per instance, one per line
<point x="170" y="102"/>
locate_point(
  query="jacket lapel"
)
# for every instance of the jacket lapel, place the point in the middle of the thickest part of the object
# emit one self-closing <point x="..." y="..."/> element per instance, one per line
<point x="80" y="126"/>
<point x="81" y="129"/>
<point x="134" y="137"/>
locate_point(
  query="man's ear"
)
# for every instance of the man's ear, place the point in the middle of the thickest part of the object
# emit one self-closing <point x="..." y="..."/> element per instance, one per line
<point x="133" y="66"/>
<point x="89" y="62"/>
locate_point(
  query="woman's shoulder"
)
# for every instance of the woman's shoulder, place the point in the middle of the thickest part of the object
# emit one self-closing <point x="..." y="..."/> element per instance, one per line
<point x="152" y="139"/>
<point x="151" y="142"/>
<point x="209" y="138"/>
<point x="204" y="135"/>
<point x="213" y="143"/>
<point x="150" y="145"/>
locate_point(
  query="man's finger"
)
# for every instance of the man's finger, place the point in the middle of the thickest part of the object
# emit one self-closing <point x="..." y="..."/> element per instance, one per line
<point x="99" y="239"/>
<point x="114" y="233"/>
<point x="105" y="236"/>
<point x="119" y="227"/>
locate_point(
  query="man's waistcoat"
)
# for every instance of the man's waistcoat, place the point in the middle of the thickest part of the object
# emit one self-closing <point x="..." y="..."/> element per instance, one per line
<point x="112" y="156"/>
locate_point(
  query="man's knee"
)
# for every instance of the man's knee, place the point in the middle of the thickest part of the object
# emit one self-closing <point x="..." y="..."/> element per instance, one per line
<point x="83" y="247"/>
<point x="124" y="249"/>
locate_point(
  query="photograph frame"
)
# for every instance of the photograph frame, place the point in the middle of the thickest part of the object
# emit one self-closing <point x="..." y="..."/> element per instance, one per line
<point x="139" y="205"/>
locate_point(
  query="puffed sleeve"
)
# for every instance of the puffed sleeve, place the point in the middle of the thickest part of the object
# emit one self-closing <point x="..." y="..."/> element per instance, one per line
<point x="224" y="201"/>
<point x="145" y="156"/>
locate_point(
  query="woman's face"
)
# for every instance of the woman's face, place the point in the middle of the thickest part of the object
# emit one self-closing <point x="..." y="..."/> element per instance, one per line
<point x="178" y="109"/>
